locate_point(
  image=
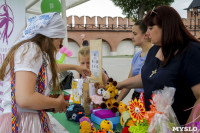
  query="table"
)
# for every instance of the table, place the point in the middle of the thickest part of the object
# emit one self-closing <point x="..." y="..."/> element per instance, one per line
<point x="73" y="127"/>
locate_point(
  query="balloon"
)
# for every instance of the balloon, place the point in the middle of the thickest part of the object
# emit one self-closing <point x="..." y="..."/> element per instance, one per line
<point x="51" y="6"/>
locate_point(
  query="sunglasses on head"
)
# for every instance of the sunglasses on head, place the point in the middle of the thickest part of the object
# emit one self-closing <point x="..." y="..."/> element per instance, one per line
<point x="152" y="11"/>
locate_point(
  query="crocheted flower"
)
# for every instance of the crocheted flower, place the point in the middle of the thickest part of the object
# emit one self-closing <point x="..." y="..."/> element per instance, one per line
<point x="137" y="110"/>
<point x="139" y="128"/>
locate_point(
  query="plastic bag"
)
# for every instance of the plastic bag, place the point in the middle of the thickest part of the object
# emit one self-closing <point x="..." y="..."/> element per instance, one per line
<point x="163" y="123"/>
<point x="66" y="78"/>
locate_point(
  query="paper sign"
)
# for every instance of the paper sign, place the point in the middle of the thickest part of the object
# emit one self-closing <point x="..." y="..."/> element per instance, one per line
<point x="96" y="60"/>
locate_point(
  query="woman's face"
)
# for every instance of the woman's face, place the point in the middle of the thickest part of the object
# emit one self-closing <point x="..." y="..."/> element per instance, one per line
<point x="84" y="61"/>
<point x="155" y="34"/>
<point x="57" y="42"/>
<point x="138" y="36"/>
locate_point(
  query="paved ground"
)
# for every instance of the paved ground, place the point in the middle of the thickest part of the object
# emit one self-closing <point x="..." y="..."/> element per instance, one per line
<point x="117" y="68"/>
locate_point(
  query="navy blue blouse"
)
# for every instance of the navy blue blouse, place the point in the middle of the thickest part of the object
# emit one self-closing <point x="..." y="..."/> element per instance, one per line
<point x="182" y="72"/>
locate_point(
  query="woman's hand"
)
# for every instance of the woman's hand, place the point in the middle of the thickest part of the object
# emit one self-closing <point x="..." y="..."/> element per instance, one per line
<point x="119" y="85"/>
<point x="63" y="105"/>
<point x="83" y="71"/>
<point x="132" y="82"/>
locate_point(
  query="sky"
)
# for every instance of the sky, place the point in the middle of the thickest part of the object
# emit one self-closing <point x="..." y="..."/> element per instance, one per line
<point x="107" y="8"/>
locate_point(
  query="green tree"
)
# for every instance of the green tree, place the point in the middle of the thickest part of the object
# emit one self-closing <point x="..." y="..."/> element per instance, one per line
<point x="137" y="8"/>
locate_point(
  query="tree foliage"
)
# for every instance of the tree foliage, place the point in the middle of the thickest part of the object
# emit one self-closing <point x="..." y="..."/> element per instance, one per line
<point x="137" y="8"/>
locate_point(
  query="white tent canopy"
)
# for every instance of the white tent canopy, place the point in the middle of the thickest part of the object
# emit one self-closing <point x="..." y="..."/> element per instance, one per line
<point x="33" y="6"/>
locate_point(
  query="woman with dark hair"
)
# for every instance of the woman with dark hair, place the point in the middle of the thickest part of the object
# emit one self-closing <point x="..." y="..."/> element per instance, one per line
<point x="173" y="61"/>
<point x="141" y="39"/>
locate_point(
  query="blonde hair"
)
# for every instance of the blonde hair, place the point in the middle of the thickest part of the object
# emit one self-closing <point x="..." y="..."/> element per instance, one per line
<point x="46" y="45"/>
<point x="83" y="51"/>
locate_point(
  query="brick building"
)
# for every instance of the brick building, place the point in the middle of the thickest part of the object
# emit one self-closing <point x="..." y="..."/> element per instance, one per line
<point x="116" y="32"/>
<point x="193" y="18"/>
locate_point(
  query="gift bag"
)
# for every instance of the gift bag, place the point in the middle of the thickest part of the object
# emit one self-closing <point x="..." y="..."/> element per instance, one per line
<point x="66" y="78"/>
<point x="86" y="98"/>
<point x="77" y="85"/>
<point x="163" y="122"/>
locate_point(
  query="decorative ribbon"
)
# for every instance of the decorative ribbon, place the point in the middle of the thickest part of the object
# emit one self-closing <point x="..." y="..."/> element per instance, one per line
<point x="14" y="105"/>
<point x="197" y="123"/>
<point x="41" y="87"/>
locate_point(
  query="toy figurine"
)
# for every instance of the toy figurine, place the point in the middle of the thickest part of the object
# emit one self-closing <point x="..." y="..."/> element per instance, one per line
<point x="125" y="119"/>
<point x="86" y="126"/>
<point x="97" y="99"/>
<point x="73" y="110"/>
<point x="109" y="96"/>
<point x="106" y="125"/>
